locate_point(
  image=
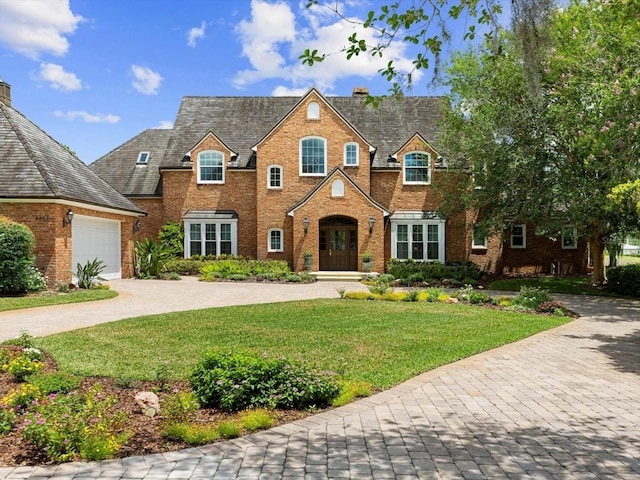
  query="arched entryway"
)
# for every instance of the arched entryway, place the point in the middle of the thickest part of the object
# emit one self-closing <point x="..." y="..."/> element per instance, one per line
<point x="338" y="244"/>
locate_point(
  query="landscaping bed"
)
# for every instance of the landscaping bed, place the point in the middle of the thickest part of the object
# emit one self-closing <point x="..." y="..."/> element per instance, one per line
<point x="145" y="433"/>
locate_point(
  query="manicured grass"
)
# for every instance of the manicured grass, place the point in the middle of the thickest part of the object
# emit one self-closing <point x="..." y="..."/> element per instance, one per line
<point x="49" y="298"/>
<point x="579" y="285"/>
<point x="383" y="343"/>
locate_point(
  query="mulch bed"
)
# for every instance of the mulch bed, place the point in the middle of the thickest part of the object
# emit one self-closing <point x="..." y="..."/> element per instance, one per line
<point x="15" y="451"/>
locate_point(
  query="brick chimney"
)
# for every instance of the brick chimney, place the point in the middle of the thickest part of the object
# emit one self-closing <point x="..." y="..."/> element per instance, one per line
<point x="5" y="92"/>
<point x="360" y="92"/>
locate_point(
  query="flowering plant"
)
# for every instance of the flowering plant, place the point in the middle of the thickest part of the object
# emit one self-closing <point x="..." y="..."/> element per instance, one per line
<point x="70" y="425"/>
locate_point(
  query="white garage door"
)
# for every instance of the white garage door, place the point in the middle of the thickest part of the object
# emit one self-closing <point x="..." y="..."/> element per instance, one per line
<point x="96" y="238"/>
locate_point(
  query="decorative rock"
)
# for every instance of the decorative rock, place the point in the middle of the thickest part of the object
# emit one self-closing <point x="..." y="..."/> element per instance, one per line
<point x="148" y="402"/>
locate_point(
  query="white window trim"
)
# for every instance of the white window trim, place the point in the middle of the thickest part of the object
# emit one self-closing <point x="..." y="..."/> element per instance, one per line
<point x="357" y="154"/>
<point x="478" y="246"/>
<point x="269" y="186"/>
<point x="146" y="160"/>
<point x="575" y="238"/>
<point x="441" y="237"/>
<point x="187" y="236"/>
<point x="524" y="237"/>
<point x="270" y="246"/>
<point x="312" y="137"/>
<point x="404" y="168"/>
<point x="315" y="113"/>
<point x="222" y="165"/>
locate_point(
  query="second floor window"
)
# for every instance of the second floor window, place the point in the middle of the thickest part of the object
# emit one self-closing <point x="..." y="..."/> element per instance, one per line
<point x="210" y="167"/>
<point x="313" y="156"/>
<point x="351" y="154"/>
<point x="274" y="176"/>
<point x="417" y="168"/>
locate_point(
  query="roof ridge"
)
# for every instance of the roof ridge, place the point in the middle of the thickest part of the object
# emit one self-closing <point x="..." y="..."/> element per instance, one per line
<point x="44" y="173"/>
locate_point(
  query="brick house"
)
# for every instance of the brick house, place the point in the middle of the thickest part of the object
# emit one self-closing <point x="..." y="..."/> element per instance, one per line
<point x="74" y="214"/>
<point x="272" y="177"/>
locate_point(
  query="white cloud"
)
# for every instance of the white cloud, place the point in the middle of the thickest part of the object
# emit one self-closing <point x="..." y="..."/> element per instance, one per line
<point x="87" y="117"/>
<point x="58" y="78"/>
<point x="283" y="91"/>
<point x="146" y="80"/>
<point x="165" y="124"/>
<point x="272" y="42"/>
<point x="195" y="34"/>
<point x="34" y="27"/>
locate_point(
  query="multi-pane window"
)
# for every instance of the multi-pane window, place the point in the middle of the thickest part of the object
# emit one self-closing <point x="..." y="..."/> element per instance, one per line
<point x="351" y="154"/>
<point x="569" y="237"/>
<point x="417" y="168"/>
<point x="274" y="176"/>
<point x="276" y="243"/>
<point x="519" y="236"/>
<point x="210" y="167"/>
<point x="479" y="237"/>
<point x="210" y="239"/>
<point x="421" y="240"/>
<point x="313" y="156"/>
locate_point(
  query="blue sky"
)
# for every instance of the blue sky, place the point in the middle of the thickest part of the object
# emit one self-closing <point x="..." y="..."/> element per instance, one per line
<point x="95" y="73"/>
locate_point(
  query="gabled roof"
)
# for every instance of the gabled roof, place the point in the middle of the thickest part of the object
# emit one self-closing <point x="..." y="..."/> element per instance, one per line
<point x="313" y="92"/>
<point x="35" y="166"/>
<point x="337" y="171"/>
<point x="241" y="122"/>
<point x="119" y="167"/>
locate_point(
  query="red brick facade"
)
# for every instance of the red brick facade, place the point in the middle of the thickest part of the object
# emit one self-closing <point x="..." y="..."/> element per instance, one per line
<point x="54" y="241"/>
<point x="368" y="194"/>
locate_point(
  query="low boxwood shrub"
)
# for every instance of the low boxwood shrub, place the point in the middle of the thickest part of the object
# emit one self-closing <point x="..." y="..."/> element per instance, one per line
<point x="624" y="280"/>
<point x="237" y="381"/>
<point x="411" y="272"/>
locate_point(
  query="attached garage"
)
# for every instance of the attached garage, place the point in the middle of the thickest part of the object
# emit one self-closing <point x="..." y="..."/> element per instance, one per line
<point x="99" y="238"/>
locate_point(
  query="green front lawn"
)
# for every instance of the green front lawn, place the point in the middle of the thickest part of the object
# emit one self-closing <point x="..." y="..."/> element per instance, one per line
<point x="50" y="298"/>
<point x="383" y="343"/>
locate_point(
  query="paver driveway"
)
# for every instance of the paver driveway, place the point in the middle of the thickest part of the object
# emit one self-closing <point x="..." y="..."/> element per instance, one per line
<point x="561" y="404"/>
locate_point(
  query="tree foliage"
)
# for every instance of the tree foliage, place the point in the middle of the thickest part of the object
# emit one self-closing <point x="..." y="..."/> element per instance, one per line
<point x="425" y="24"/>
<point x="548" y="148"/>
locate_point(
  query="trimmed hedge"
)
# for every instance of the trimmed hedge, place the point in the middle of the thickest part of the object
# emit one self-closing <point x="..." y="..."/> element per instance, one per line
<point x="624" y="280"/>
<point x="410" y="271"/>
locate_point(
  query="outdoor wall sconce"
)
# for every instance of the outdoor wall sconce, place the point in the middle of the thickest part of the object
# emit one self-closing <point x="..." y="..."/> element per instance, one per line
<point x="136" y="226"/>
<point x="305" y="225"/>
<point x="68" y="218"/>
<point x="371" y="222"/>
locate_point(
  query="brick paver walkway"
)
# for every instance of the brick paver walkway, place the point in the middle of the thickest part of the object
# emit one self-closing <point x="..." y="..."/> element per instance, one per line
<point x="563" y="404"/>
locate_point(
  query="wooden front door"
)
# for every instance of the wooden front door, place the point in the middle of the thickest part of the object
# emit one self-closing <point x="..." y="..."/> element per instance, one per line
<point x="339" y="247"/>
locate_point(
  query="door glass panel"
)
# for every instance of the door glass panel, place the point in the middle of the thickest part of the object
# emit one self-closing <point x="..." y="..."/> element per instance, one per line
<point x="417" y="244"/>
<point x="338" y="240"/>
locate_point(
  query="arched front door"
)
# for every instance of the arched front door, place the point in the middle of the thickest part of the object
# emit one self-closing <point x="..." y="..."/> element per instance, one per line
<point x="338" y="244"/>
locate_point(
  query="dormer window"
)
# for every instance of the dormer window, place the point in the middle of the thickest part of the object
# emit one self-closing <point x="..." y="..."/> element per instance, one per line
<point x="313" y="111"/>
<point x="210" y="167"/>
<point x="143" y="158"/>
<point x="417" y="168"/>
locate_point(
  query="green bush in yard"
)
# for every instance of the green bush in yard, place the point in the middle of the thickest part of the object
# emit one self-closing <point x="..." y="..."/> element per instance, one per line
<point x="624" y="280"/>
<point x="411" y="271"/>
<point x="19" y="274"/>
<point x="235" y="381"/>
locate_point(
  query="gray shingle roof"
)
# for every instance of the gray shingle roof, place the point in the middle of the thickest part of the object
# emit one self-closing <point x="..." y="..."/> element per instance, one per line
<point x="241" y="122"/>
<point x="119" y="167"/>
<point x="34" y="165"/>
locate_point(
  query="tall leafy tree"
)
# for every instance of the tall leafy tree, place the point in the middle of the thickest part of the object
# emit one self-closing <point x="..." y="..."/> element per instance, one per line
<point x="550" y="135"/>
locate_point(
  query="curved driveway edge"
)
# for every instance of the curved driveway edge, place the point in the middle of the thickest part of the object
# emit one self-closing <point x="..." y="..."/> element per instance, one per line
<point x="562" y="404"/>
